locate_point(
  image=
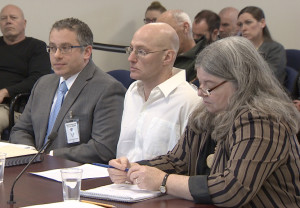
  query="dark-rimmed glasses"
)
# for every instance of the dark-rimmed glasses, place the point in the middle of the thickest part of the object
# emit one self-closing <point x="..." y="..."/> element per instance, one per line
<point x="146" y="20"/>
<point x="140" y="52"/>
<point x="62" y="49"/>
<point x="207" y="92"/>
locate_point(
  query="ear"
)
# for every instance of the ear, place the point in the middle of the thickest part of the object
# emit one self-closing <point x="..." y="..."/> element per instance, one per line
<point x="169" y="57"/>
<point x="263" y="23"/>
<point x="88" y="52"/>
<point x="186" y="27"/>
<point x="214" y="34"/>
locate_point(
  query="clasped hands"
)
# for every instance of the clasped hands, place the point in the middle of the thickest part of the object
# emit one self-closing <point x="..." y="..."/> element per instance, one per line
<point x="144" y="177"/>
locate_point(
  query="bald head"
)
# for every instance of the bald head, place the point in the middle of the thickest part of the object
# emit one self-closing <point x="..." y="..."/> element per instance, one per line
<point x="182" y="24"/>
<point x="159" y="35"/>
<point x="12" y="24"/>
<point x="228" y="25"/>
<point x="15" y="9"/>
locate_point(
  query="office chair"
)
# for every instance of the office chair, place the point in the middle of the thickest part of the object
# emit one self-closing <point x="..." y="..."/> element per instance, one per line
<point x="122" y="76"/>
<point x="291" y="79"/>
<point x="293" y="58"/>
<point x="16" y="104"/>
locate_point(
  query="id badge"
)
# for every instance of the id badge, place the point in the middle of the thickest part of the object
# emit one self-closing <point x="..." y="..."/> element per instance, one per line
<point x="72" y="130"/>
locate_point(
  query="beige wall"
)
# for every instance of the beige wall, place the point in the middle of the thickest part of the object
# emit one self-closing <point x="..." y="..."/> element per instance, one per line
<point x="115" y="21"/>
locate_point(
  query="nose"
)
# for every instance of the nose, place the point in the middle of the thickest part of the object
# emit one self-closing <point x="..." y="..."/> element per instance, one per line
<point x="132" y="57"/>
<point x="57" y="53"/>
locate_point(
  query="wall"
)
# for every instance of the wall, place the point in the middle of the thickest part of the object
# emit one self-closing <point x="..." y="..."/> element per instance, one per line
<point x="115" y="21"/>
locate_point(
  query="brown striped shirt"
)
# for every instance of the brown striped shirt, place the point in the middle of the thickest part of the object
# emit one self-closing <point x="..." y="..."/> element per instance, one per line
<point x="256" y="165"/>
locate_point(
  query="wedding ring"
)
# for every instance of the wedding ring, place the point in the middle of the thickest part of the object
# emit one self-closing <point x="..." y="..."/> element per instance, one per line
<point x="136" y="181"/>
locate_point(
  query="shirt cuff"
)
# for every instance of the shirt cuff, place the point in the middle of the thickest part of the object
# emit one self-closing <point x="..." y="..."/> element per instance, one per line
<point x="199" y="189"/>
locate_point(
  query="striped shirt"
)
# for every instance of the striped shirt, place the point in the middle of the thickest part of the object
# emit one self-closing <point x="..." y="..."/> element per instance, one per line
<point x="256" y="165"/>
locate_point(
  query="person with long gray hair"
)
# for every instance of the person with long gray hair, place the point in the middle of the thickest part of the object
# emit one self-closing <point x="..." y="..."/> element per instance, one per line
<point x="240" y="147"/>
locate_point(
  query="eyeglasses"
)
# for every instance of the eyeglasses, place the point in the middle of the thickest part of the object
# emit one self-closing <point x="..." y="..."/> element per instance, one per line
<point x="207" y="92"/>
<point x="147" y="20"/>
<point x="63" y="49"/>
<point x="140" y="52"/>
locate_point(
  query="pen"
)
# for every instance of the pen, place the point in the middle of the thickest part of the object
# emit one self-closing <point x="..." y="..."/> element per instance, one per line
<point x="98" y="203"/>
<point x="107" y="166"/>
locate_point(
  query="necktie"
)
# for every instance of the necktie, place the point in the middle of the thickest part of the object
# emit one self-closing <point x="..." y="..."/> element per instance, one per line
<point x="60" y="98"/>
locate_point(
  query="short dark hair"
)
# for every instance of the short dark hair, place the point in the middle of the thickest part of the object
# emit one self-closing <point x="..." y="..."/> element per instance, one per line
<point x="156" y="5"/>
<point x="257" y="14"/>
<point x="82" y="30"/>
<point x="212" y="19"/>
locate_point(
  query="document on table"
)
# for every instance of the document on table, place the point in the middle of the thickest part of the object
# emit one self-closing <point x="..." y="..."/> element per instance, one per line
<point x="89" y="171"/>
<point x="65" y="205"/>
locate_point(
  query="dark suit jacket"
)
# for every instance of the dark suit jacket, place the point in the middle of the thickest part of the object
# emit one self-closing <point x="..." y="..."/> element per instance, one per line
<point x="95" y="98"/>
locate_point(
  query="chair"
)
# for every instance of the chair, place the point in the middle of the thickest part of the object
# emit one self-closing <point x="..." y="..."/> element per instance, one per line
<point x="16" y="104"/>
<point x="293" y="58"/>
<point x="122" y="76"/>
<point x="291" y="79"/>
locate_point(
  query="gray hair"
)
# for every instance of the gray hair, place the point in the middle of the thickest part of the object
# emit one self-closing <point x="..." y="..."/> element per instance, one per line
<point x="181" y="17"/>
<point x="236" y="60"/>
<point x="84" y="33"/>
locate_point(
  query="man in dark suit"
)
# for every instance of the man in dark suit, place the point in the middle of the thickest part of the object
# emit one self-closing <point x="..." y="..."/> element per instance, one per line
<point x="88" y="122"/>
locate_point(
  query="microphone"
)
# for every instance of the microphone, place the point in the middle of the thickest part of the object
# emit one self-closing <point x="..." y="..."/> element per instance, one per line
<point x="51" y="138"/>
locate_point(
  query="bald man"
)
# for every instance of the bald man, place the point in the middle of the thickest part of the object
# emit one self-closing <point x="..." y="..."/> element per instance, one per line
<point x="23" y="59"/>
<point x="188" y="49"/>
<point x="158" y="104"/>
<point x="228" y="26"/>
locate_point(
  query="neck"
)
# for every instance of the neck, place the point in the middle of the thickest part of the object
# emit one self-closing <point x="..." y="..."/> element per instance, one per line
<point x="188" y="45"/>
<point x="257" y="43"/>
<point x="149" y="85"/>
<point x="11" y="40"/>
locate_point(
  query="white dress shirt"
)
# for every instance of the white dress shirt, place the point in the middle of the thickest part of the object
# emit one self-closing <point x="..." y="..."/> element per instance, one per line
<point x="153" y="127"/>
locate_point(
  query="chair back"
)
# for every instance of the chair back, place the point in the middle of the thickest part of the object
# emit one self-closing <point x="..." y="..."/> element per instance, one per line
<point x="293" y="58"/>
<point x="122" y="76"/>
<point x="291" y="79"/>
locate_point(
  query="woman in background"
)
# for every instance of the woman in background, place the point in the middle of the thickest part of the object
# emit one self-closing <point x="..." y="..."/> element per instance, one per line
<point x="252" y="23"/>
<point x="153" y="11"/>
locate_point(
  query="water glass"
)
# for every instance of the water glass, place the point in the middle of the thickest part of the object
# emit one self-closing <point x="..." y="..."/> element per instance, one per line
<point x="2" y="165"/>
<point x="71" y="183"/>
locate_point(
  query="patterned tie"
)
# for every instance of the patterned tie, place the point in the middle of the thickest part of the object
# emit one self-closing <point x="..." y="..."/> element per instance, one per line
<point x="60" y="98"/>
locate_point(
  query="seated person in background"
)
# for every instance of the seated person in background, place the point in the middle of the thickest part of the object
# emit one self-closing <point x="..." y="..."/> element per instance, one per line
<point x="252" y="23"/>
<point x="228" y="26"/>
<point x="206" y="23"/>
<point x="78" y="96"/>
<point x="153" y="12"/>
<point x="188" y="49"/>
<point x="253" y="123"/>
<point x="23" y="59"/>
<point x="157" y="107"/>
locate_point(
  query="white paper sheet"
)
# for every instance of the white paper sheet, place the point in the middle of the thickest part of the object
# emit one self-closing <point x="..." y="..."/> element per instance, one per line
<point x="65" y="205"/>
<point x="89" y="171"/>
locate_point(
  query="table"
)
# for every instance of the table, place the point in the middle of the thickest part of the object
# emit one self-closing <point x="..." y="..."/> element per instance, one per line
<point x="31" y="189"/>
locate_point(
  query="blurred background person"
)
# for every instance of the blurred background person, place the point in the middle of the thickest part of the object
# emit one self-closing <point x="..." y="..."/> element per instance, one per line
<point x="23" y="60"/>
<point x="153" y="12"/>
<point x="206" y="23"/>
<point x="228" y="26"/>
<point x="188" y="49"/>
<point x="252" y="23"/>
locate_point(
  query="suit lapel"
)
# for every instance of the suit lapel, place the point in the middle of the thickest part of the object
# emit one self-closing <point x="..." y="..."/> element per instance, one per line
<point x="46" y="104"/>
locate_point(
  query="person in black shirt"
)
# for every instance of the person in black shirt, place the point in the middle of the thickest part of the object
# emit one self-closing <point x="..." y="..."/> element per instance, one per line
<point x="23" y="59"/>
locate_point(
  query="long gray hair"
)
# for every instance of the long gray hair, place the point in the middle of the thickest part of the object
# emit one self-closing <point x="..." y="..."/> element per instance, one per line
<point x="236" y="60"/>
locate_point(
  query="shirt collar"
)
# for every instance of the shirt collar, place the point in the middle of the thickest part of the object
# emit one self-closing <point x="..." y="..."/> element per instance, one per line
<point x="177" y="78"/>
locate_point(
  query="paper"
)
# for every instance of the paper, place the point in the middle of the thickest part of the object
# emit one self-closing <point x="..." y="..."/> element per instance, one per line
<point x="89" y="171"/>
<point x="16" y="150"/>
<point x="65" y="205"/>
<point x="120" y="192"/>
